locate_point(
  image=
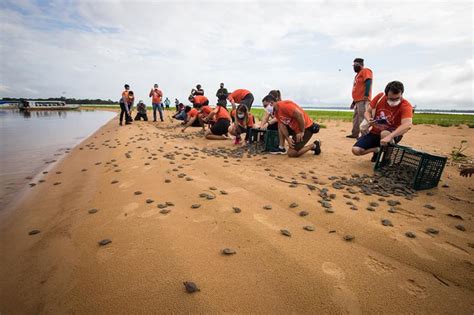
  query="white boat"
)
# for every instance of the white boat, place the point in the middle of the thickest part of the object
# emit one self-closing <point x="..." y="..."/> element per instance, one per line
<point x="52" y="105"/>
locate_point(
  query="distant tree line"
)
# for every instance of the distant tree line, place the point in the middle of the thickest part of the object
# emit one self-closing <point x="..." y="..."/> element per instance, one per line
<point x="64" y="99"/>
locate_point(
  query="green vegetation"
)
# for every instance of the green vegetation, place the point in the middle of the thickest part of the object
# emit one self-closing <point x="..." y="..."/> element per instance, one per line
<point x="457" y="154"/>
<point x="444" y="120"/>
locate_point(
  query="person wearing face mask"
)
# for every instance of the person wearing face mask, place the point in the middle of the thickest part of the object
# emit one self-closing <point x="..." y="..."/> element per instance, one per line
<point x="156" y="96"/>
<point x="389" y="117"/>
<point x="222" y="94"/>
<point x="294" y="126"/>
<point x="361" y="94"/>
<point x="243" y="121"/>
<point x="269" y="122"/>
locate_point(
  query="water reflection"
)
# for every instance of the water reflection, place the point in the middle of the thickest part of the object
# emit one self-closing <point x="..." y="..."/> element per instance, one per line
<point x="30" y="139"/>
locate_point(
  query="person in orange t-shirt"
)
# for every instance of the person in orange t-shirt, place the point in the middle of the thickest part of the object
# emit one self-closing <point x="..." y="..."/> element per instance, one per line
<point x="361" y="95"/>
<point x="243" y="121"/>
<point x="294" y="126"/>
<point x="199" y="100"/>
<point x="241" y="96"/>
<point x="156" y="96"/>
<point x="192" y="118"/>
<point x="220" y="128"/>
<point x="124" y="110"/>
<point x="389" y="116"/>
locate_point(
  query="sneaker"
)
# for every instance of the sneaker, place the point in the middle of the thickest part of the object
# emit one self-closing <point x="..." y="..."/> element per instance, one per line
<point x="278" y="150"/>
<point x="317" y="147"/>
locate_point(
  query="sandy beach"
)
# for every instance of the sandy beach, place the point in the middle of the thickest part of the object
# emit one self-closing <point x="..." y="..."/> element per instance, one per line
<point x="129" y="173"/>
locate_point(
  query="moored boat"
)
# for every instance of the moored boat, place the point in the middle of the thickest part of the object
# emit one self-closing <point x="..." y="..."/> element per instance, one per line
<point x="50" y="105"/>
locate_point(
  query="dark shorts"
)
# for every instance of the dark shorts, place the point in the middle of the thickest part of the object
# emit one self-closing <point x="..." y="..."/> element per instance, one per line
<point x="308" y="133"/>
<point x="371" y="140"/>
<point x="247" y="101"/>
<point x="196" y="123"/>
<point x="220" y="127"/>
<point x="273" y="126"/>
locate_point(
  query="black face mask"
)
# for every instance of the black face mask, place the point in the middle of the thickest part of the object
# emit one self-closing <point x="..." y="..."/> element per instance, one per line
<point x="357" y="68"/>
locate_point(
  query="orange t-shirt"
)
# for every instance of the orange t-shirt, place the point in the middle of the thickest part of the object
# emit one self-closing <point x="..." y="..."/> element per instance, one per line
<point x="200" y="99"/>
<point x="156" y="95"/>
<point x="238" y="95"/>
<point x="125" y="96"/>
<point x="205" y="110"/>
<point x="358" y="90"/>
<point x="193" y="113"/>
<point x="392" y="115"/>
<point x="222" y="113"/>
<point x="286" y="115"/>
<point x="250" y="121"/>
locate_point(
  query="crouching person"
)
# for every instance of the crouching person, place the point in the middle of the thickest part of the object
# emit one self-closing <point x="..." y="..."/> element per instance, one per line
<point x="242" y="122"/>
<point x="294" y="126"/>
<point x="220" y="128"/>
<point x="192" y="118"/>
<point x="389" y="117"/>
<point x="141" y="111"/>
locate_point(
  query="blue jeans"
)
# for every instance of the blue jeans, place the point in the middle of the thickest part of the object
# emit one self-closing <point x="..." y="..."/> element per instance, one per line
<point x="155" y="107"/>
<point x="181" y="116"/>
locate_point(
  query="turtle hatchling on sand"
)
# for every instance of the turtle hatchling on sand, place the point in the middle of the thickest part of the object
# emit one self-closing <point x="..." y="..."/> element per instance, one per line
<point x="308" y="228"/>
<point x="285" y="232"/>
<point x="229" y="251"/>
<point x="191" y="287"/>
<point x="195" y="206"/>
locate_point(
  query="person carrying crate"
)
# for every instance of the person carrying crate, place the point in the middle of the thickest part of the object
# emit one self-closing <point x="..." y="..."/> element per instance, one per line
<point x="389" y="117"/>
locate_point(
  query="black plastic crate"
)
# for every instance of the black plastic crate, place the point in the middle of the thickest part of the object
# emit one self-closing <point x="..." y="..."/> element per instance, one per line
<point x="423" y="169"/>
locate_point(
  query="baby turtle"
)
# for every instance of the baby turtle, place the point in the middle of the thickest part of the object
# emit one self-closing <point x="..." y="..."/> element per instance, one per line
<point x="293" y="205"/>
<point x="428" y="206"/>
<point x="410" y="234"/>
<point x="392" y="210"/>
<point x="189" y="179"/>
<point x="34" y="232"/>
<point x="292" y="185"/>
<point x="162" y="205"/>
<point x="303" y="213"/>
<point x="105" y="242"/>
<point x="326" y="204"/>
<point x="393" y="203"/>
<point x="114" y="181"/>
<point x="236" y="209"/>
<point x="370" y="209"/>
<point x="191" y="287"/>
<point x="149" y="201"/>
<point x="348" y="237"/>
<point x="57" y="183"/>
<point x="332" y="196"/>
<point x="354" y="208"/>
<point x="329" y="210"/>
<point x="386" y="222"/>
<point x="138" y="193"/>
<point x="170" y="204"/>
<point x="223" y="192"/>
<point x="267" y="207"/>
<point x="92" y="211"/>
<point x="203" y="195"/>
<point x="195" y="206"/>
<point x="165" y="211"/>
<point x="229" y="251"/>
<point x="212" y="188"/>
<point x="460" y="227"/>
<point x="432" y="231"/>
<point x="309" y="228"/>
<point x="210" y="197"/>
<point x="285" y="232"/>
<point x="373" y="204"/>
<point x="167" y="180"/>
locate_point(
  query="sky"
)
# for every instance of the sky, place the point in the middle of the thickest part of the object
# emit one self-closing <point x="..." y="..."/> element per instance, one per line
<point x="90" y="49"/>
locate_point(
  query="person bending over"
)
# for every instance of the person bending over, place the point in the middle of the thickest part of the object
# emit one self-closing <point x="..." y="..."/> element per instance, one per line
<point x="241" y="96"/>
<point x="192" y="118"/>
<point x="389" y="116"/>
<point x="220" y="128"/>
<point x="141" y="111"/>
<point x="294" y="126"/>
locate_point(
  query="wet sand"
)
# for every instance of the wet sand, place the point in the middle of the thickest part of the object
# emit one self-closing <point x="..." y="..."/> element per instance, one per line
<point x="129" y="173"/>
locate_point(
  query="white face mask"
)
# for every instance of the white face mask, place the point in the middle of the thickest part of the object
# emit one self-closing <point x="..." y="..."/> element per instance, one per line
<point x="393" y="103"/>
<point x="269" y="109"/>
<point x="240" y="116"/>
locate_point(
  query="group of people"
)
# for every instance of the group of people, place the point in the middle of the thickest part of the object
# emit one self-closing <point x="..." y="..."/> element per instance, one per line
<point x="377" y="121"/>
<point x="128" y="98"/>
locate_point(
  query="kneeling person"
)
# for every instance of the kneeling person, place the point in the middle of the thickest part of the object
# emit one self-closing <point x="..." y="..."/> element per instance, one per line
<point x="220" y="128"/>
<point x="243" y="121"/>
<point x="192" y="118"/>
<point x="389" y="116"/>
<point x="294" y="122"/>
<point x="141" y="111"/>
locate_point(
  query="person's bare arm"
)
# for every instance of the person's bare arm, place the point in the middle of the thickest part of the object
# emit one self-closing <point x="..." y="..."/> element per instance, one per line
<point x="298" y="115"/>
<point x="406" y="125"/>
<point x="189" y="123"/>
<point x="263" y="123"/>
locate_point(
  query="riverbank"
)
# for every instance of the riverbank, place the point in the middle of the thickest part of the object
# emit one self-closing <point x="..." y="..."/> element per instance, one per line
<point x="129" y="173"/>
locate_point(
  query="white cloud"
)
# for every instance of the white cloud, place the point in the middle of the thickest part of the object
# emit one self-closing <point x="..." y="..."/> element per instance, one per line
<point x="91" y="48"/>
